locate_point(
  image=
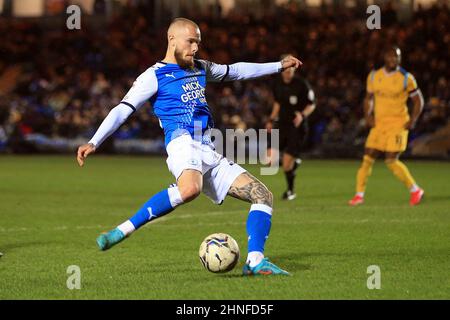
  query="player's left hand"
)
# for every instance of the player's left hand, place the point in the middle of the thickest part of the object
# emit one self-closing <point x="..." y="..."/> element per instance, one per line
<point x="298" y="119"/>
<point x="291" y="61"/>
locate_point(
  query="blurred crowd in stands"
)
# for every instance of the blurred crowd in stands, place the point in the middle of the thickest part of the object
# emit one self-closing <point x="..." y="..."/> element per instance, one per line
<point x="62" y="83"/>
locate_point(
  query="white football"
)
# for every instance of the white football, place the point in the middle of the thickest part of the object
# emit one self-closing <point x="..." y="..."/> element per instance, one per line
<point x="219" y="252"/>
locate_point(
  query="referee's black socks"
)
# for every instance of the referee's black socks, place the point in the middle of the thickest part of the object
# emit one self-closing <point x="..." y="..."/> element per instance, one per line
<point x="295" y="166"/>
<point x="290" y="176"/>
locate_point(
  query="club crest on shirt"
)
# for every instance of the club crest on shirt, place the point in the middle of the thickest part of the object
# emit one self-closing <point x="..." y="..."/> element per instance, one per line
<point x="193" y="162"/>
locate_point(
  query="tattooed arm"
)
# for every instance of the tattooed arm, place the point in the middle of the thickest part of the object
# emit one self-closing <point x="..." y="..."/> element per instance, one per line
<point x="248" y="188"/>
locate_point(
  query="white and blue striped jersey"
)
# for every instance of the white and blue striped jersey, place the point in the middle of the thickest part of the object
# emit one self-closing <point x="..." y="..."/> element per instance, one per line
<point x="178" y="95"/>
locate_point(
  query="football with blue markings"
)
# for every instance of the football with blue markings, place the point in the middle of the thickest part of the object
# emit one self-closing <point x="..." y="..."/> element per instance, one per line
<point x="219" y="253"/>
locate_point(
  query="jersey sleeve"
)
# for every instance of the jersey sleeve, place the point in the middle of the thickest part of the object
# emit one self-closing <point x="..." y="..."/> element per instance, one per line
<point x="411" y="86"/>
<point x="115" y="118"/>
<point x="369" y="85"/>
<point x="145" y="86"/>
<point x="143" y="89"/>
<point x="310" y="96"/>
<point x="239" y="71"/>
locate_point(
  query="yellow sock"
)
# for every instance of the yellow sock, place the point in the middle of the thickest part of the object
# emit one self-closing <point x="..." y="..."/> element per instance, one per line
<point x="363" y="173"/>
<point x="401" y="172"/>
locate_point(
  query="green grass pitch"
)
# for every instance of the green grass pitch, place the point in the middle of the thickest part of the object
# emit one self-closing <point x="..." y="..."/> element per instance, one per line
<point x="51" y="211"/>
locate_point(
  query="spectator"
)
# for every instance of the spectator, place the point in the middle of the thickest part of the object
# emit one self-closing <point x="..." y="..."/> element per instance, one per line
<point x="70" y="80"/>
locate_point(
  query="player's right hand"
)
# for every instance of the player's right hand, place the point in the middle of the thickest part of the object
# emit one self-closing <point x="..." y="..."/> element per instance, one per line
<point x="370" y="121"/>
<point x="83" y="152"/>
<point x="289" y="62"/>
<point x="269" y="126"/>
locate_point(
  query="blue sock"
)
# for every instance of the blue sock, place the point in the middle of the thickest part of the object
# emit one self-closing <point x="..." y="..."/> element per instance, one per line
<point x="258" y="226"/>
<point x="157" y="206"/>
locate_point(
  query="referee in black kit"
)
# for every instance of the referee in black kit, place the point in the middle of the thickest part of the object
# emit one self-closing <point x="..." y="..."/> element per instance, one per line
<point x="294" y="102"/>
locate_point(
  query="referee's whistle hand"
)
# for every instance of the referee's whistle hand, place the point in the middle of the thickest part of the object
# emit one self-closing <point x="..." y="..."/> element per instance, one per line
<point x="298" y="119"/>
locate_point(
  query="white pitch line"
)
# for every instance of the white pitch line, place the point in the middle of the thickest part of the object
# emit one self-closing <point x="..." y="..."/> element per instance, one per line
<point x="303" y="222"/>
<point x="104" y="227"/>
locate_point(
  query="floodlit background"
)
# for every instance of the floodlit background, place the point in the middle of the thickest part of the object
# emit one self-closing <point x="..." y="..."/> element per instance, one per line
<point x="57" y="85"/>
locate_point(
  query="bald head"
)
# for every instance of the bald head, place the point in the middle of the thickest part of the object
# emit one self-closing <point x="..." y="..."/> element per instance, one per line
<point x="183" y="37"/>
<point x="181" y="24"/>
<point x="392" y="58"/>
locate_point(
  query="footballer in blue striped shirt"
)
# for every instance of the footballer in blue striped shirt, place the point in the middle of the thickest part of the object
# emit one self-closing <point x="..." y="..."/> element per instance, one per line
<point x="175" y="87"/>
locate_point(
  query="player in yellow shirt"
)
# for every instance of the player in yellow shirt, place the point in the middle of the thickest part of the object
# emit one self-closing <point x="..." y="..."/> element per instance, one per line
<point x="386" y="112"/>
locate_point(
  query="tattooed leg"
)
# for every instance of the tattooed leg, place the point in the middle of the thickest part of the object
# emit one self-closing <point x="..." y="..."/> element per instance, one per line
<point x="248" y="188"/>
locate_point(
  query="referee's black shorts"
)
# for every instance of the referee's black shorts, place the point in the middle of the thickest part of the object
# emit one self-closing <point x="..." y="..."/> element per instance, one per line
<point x="292" y="139"/>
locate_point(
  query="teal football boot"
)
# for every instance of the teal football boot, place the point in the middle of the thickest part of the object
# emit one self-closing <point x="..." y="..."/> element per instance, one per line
<point x="107" y="240"/>
<point x="265" y="267"/>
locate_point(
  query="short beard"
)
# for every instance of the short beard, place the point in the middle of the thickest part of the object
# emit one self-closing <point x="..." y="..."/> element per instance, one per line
<point x="179" y="58"/>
